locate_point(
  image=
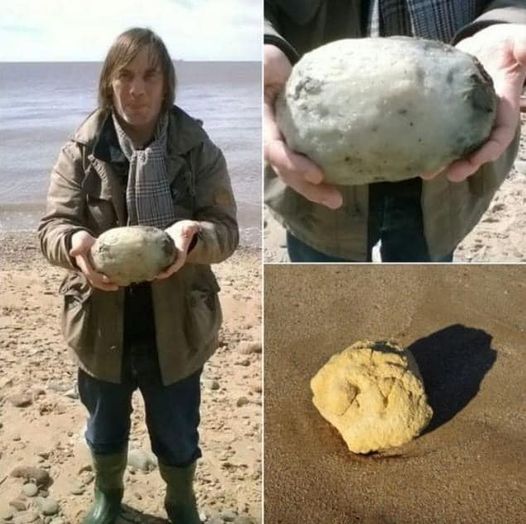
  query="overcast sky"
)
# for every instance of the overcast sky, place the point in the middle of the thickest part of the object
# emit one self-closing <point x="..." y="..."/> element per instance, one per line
<point x="60" y="30"/>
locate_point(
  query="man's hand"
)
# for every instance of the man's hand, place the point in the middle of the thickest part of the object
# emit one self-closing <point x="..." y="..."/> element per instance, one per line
<point x="296" y="170"/>
<point x="81" y="243"/>
<point x="182" y="233"/>
<point x="501" y="49"/>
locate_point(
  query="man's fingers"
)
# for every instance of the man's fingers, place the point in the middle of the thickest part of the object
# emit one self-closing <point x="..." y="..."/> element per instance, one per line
<point x="77" y="251"/>
<point x="323" y="194"/>
<point x="498" y="141"/>
<point x="459" y="170"/>
<point x="97" y="280"/>
<point x="285" y="162"/>
<point x="169" y="271"/>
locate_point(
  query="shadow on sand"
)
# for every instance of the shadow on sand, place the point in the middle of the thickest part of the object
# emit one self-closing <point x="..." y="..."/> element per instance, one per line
<point x="130" y="515"/>
<point x="453" y="363"/>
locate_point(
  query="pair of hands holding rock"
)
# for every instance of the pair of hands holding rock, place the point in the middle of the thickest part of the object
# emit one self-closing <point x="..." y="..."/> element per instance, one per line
<point x="182" y="233"/>
<point x="500" y="48"/>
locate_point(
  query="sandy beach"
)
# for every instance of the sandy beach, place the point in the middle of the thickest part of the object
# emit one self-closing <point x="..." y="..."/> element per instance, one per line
<point x="465" y="327"/>
<point x="42" y="421"/>
<point x="500" y="236"/>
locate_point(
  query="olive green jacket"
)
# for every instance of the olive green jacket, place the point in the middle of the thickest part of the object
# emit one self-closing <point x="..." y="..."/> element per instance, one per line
<point x="87" y="192"/>
<point x="450" y="210"/>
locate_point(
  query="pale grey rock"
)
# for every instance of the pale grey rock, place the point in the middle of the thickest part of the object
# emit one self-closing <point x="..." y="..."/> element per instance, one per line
<point x="141" y="459"/>
<point x="48" y="506"/>
<point x="242" y="519"/>
<point x="211" y="384"/>
<point x="26" y="517"/>
<point x="6" y="514"/>
<point x="18" y="504"/>
<point x="248" y="348"/>
<point x="72" y="393"/>
<point x="215" y="520"/>
<point x="78" y="488"/>
<point x="385" y="109"/>
<point x="228" y="515"/>
<point x="30" y="489"/>
<point x="132" y="254"/>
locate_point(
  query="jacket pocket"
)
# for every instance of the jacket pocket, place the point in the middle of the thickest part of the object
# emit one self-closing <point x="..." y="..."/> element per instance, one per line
<point x="203" y="314"/>
<point x="76" y="311"/>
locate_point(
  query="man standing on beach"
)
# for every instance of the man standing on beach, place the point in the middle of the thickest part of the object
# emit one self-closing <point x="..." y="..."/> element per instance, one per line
<point x="416" y="220"/>
<point x="141" y="160"/>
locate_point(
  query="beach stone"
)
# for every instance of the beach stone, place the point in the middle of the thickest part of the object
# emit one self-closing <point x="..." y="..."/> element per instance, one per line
<point x="6" y="514"/>
<point x="242" y="401"/>
<point x="133" y="254"/>
<point x="248" y="348"/>
<point x="372" y="392"/>
<point x="78" y="489"/>
<point x="242" y="519"/>
<point x="29" y="490"/>
<point x="20" y="400"/>
<point x="48" y="506"/>
<point x="215" y="520"/>
<point x="211" y="384"/>
<point x="72" y="393"/>
<point x="228" y="515"/>
<point x="18" y="504"/>
<point x="141" y="459"/>
<point x="57" y="520"/>
<point x="40" y="476"/>
<point x="415" y="108"/>
<point x="26" y="517"/>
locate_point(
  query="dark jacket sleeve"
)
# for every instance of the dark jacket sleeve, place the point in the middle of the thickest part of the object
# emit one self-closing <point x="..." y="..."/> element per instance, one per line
<point x="64" y="209"/>
<point x="215" y="207"/>
<point x="272" y="33"/>
<point x="495" y="12"/>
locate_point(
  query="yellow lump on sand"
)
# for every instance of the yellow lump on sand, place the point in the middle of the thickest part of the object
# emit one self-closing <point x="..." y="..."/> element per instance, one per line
<point x="372" y="392"/>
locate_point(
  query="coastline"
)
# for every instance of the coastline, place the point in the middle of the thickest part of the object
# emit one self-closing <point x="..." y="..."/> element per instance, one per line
<point x="23" y="217"/>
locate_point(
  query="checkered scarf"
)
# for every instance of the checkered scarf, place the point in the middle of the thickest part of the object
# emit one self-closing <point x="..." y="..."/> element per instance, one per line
<point x="148" y="196"/>
<point x="433" y="19"/>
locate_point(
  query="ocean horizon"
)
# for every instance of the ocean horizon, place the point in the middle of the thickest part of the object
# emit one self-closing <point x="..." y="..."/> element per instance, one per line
<point x="42" y="103"/>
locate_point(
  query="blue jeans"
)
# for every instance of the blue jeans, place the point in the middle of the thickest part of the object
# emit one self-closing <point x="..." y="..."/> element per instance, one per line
<point x="172" y="412"/>
<point x="395" y="218"/>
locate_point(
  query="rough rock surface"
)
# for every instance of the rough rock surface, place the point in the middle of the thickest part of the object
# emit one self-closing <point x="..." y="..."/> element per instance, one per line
<point x="132" y="254"/>
<point x="385" y="109"/>
<point x="373" y="394"/>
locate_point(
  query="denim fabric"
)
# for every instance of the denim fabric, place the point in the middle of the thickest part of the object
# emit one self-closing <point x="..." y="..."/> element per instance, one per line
<point x="395" y="218"/>
<point x="300" y="252"/>
<point x="172" y="412"/>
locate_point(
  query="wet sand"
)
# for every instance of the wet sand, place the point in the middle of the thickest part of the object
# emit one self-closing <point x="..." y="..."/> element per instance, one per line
<point x="465" y="326"/>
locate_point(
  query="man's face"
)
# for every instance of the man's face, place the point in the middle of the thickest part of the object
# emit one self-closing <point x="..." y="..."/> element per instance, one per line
<point x="138" y="90"/>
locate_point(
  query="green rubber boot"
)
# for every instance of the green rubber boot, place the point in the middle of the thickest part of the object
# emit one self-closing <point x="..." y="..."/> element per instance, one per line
<point x="109" y="488"/>
<point x="180" y="501"/>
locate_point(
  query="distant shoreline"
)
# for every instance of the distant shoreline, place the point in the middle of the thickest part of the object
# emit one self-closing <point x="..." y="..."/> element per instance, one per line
<point x="23" y="217"/>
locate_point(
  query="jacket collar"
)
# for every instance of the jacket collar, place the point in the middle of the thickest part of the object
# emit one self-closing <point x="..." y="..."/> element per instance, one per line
<point x="98" y="133"/>
<point x="107" y="146"/>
